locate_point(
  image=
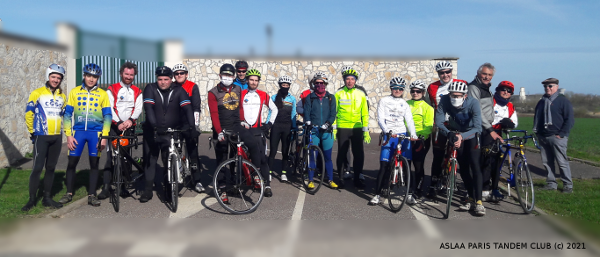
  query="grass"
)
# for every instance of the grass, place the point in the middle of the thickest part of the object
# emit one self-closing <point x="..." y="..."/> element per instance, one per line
<point x="14" y="192"/>
<point x="583" y="140"/>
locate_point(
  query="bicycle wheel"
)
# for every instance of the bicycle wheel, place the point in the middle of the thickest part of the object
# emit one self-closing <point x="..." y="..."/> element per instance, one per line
<point x="292" y="154"/>
<point x="398" y="183"/>
<point x="116" y="184"/>
<point x="313" y="163"/>
<point x="243" y="193"/>
<point x="173" y="184"/>
<point x="524" y="185"/>
<point x="449" y="184"/>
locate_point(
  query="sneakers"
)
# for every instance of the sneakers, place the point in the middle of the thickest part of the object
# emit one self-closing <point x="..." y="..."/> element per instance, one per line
<point x="375" y="200"/>
<point x="311" y="185"/>
<point x="268" y="192"/>
<point x="199" y="188"/>
<point x="104" y="193"/>
<point x="384" y="192"/>
<point x="66" y="198"/>
<point x="567" y="190"/>
<point x="224" y="198"/>
<point x="361" y="177"/>
<point x="333" y="185"/>
<point x="479" y="209"/>
<point x="93" y="201"/>
<point x="410" y="200"/>
<point x="347" y="175"/>
<point x="468" y="205"/>
<point x="146" y="196"/>
<point x="30" y="204"/>
<point x="284" y="177"/>
<point x="547" y="187"/>
<point x="496" y="195"/>
<point x="49" y="202"/>
<point x="486" y="196"/>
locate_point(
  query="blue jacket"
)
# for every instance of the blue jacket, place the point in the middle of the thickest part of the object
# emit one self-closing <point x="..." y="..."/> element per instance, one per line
<point x="563" y="118"/>
<point x="318" y="111"/>
<point x="239" y="83"/>
<point x="287" y="112"/>
<point x="466" y="119"/>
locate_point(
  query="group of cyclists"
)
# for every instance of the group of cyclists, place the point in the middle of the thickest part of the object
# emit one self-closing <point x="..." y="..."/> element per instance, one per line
<point x="448" y="111"/>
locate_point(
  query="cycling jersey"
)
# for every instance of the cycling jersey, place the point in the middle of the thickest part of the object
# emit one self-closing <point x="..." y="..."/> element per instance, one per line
<point x="352" y="110"/>
<point x="466" y="119"/>
<point x="89" y="109"/>
<point x="287" y="113"/>
<point x="243" y="84"/>
<point x="392" y="112"/>
<point x="436" y="90"/>
<point x="194" y="94"/>
<point x="44" y="111"/>
<point x="501" y="112"/>
<point x="224" y="103"/>
<point x="422" y="114"/>
<point x="126" y="102"/>
<point x="320" y="110"/>
<point x="252" y="102"/>
<point x="163" y="107"/>
<point x="300" y="106"/>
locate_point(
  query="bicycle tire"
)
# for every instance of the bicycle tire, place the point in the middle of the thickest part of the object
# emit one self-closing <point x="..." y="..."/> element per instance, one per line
<point x="292" y="154"/>
<point x="318" y="175"/>
<point x="244" y="196"/>
<point x="173" y="185"/>
<point x="524" y="186"/>
<point x="398" y="185"/>
<point x="117" y="181"/>
<point x="450" y="184"/>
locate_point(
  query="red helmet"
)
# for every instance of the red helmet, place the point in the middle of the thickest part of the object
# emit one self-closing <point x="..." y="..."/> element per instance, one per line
<point x="507" y="84"/>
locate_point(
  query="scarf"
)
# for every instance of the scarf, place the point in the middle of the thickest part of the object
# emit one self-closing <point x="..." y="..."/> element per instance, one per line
<point x="320" y="91"/>
<point x="500" y="100"/>
<point x="548" y="99"/>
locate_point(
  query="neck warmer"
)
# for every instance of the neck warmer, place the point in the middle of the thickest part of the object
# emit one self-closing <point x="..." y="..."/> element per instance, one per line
<point x="281" y="94"/>
<point x="500" y="100"/>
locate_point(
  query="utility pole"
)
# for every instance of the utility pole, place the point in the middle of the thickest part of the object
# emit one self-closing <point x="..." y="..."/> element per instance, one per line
<point x="269" y="39"/>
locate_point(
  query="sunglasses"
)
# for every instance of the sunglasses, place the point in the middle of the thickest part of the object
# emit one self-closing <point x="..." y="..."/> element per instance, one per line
<point x="416" y="91"/>
<point x="319" y="83"/>
<point x="548" y="86"/>
<point x="179" y="73"/>
<point x="506" y="89"/>
<point x="444" y="72"/>
<point x="241" y="71"/>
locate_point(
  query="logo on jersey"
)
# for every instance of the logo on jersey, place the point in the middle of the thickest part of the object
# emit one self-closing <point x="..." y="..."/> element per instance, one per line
<point x="231" y="101"/>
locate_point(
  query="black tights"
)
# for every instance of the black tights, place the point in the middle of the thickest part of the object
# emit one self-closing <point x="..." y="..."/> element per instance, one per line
<point x="73" y="161"/>
<point x="345" y="137"/>
<point x="46" y="151"/>
<point x="280" y="132"/>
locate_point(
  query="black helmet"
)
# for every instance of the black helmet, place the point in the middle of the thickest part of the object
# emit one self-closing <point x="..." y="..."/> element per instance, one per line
<point x="163" y="71"/>
<point x="241" y="65"/>
<point x="227" y="69"/>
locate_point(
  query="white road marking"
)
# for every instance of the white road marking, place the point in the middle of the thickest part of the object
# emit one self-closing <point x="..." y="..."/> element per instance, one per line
<point x="189" y="206"/>
<point x="297" y="214"/>
<point x="425" y="223"/>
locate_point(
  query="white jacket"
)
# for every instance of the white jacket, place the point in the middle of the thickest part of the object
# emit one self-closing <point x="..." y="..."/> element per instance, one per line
<point x="392" y="113"/>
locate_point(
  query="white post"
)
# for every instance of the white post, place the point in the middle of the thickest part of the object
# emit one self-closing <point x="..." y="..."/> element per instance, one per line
<point x="172" y="52"/>
<point x="66" y="34"/>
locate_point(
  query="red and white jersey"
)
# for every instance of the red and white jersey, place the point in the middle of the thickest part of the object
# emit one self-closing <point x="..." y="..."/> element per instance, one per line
<point x="251" y="103"/>
<point x="126" y="101"/>
<point x="300" y="104"/>
<point x="501" y="112"/>
<point x="436" y="90"/>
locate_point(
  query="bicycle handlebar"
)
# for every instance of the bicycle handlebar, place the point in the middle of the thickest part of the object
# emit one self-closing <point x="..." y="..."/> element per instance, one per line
<point x="523" y="138"/>
<point x="390" y="135"/>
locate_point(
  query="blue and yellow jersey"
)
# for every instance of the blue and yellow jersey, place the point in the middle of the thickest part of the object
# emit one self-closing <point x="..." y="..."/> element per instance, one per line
<point x="90" y="111"/>
<point x="44" y="111"/>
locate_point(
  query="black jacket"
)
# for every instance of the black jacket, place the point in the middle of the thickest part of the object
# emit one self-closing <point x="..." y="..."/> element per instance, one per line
<point x="164" y="109"/>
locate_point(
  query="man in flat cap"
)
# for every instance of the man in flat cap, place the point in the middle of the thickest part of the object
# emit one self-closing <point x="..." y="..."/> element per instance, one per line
<point x="552" y="123"/>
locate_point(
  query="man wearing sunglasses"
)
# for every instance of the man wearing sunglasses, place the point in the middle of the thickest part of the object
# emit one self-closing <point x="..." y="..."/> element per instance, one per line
<point x="552" y="123"/>
<point x="180" y="72"/>
<point x="479" y="89"/>
<point x="240" y="68"/>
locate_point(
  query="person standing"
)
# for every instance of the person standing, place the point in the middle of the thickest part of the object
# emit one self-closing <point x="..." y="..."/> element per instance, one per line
<point x="240" y="68"/>
<point x="552" y="122"/>
<point x="43" y="117"/>
<point x="284" y="123"/>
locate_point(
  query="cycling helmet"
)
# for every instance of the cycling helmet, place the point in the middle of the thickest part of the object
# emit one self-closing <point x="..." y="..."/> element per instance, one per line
<point x="443" y="65"/>
<point x="253" y="72"/>
<point x="418" y="84"/>
<point x="397" y="81"/>
<point x="163" y="71"/>
<point x="345" y="68"/>
<point x="458" y="86"/>
<point x="320" y="75"/>
<point x="179" y="66"/>
<point x="507" y="84"/>
<point x="55" y="68"/>
<point x="285" y="79"/>
<point x="241" y="65"/>
<point x="350" y="72"/>
<point x="227" y="69"/>
<point x="92" y="69"/>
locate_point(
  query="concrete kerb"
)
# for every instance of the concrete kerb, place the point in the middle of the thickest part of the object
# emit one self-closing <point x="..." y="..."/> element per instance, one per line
<point x="66" y="209"/>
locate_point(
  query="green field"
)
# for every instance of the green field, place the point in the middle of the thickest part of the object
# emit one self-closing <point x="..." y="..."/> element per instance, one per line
<point x="584" y="142"/>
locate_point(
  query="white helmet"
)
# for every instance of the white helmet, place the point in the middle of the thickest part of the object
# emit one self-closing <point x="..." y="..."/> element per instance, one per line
<point x="345" y="68"/>
<point x="320" y="75"/>
<point x="179" y="66"/>
<point x="418" y="84"/>
<point x="285" y="79"/>
<point x="398" y="81"/>
<point x="459" y="86"/>
<point x="443" y="65"/>
<point x="55" y="68"/>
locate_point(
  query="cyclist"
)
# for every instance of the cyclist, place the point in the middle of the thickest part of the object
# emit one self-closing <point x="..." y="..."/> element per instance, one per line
<point x="163" y="105"/>
<point x="43" y="117"/>
<point x="180" y="72"/>
<point x="351" y="126"/>
<point x="240" y="68"/>
<point x="461" y="129"/>
<point x="251" y="104"/>
<point x="224" y="107"/>
<point x="435" y="91"/>
<point x="505" y="117"/>
<point x="392" y="112"/>
<point x="346" y="164"/>
<point x="320" y="112"/>
<point x="126" y="103"/>
<point x="423" y="119"/>
<point x="305" y="93"/>
<point x="285" y="122"/>
<point x="89" y="108"/>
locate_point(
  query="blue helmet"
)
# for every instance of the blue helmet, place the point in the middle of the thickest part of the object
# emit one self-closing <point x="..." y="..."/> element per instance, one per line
<point x="92" y="69"/>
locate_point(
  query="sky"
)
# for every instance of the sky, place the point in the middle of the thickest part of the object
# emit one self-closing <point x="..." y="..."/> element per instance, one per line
<point x="526" y="40"/>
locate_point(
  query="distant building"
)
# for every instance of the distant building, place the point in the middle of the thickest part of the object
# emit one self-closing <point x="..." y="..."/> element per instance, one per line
<point x="522" y="95"/>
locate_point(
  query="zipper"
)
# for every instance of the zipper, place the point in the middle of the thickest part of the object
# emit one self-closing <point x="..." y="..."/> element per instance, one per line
<point x="55" y="123"/>
<point x="88" y="109"/>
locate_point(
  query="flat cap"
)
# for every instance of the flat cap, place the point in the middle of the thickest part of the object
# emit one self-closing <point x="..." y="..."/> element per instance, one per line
<point x="550" y="81"/>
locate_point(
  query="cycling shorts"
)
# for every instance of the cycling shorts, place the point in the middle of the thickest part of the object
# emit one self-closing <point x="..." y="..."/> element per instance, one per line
<point x="89" y="137"/>
<point x="390" y="148"/>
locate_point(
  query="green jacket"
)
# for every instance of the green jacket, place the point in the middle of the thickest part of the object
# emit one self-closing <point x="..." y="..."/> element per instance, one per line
<point x="352" y="109"/>
<point x="422" y="116"/>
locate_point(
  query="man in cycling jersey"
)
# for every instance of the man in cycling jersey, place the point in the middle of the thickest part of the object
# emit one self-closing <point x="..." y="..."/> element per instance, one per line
<point x="351" y="126"/>
<point x="43" y="117"/>
<point x="435" y="91"/>
<point x="251" y="104"/>
<point x="126" y="103"/>
<point x="241" y="78"/>
<point x="164" y="106"/>
<point x="180" y="72"/>
<point x="87" y="117"/>
<point x="462" y="129"/>
<point x="392" y="112"/>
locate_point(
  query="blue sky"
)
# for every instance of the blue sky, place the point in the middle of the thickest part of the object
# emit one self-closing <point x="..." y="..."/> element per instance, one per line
<point x="527" y="40"/>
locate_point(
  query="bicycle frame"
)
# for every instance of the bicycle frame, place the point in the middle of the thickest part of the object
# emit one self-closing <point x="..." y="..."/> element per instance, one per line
<point x="508" y="153"/>
<point x="121" y="152"/>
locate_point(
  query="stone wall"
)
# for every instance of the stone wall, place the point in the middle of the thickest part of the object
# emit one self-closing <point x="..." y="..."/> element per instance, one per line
<point x="22" y="70"/>
<point x="373" y="75"/>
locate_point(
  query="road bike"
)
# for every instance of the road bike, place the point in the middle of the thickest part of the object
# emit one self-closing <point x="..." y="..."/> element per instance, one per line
<point x="399" y="180"/>
<point x="310" y="162"/>
<point x="178" y="167"/>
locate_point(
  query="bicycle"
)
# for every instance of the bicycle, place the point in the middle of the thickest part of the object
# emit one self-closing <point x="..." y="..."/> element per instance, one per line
<point x="238" y="180"/>
<point x="122" y="162"/>
<point x="295" y="146"/>
<point x="178" y="166"/>
<point x="520" y="176"/>
<point x="399" y="180"/>
<point x="310" y="161"/>
<point x="448" y="178"/>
